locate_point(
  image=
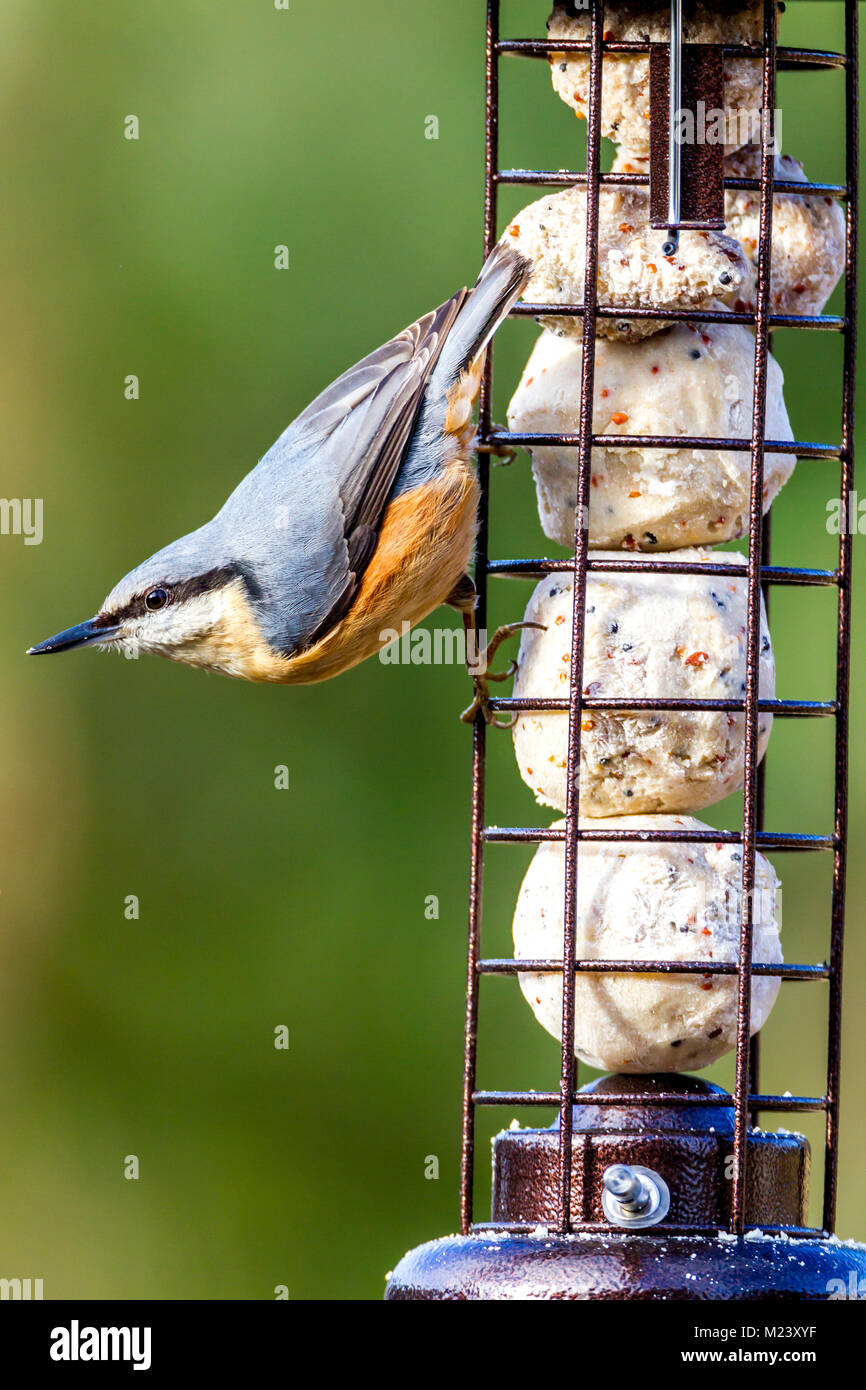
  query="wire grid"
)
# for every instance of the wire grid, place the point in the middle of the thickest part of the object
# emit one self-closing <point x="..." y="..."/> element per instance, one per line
<point x="748" y="1103"/>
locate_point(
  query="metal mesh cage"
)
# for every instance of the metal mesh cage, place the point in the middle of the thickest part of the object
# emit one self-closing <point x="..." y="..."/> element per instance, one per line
<point x="747" y="1101"/>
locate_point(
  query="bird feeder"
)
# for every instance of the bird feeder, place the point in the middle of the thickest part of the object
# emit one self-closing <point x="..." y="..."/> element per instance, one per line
<point x="660" y="1185"/>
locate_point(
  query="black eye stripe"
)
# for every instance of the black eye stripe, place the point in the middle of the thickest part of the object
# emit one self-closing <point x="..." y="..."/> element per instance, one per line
<point x="180" y="592"/>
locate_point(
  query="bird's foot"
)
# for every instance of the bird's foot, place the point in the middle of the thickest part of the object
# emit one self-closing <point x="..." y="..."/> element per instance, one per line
<point x="500" y="454"/>
<point x="482" y="676"/>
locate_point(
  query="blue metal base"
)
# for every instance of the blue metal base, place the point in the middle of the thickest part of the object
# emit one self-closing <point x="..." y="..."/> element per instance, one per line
<point x="629" y="1267"/>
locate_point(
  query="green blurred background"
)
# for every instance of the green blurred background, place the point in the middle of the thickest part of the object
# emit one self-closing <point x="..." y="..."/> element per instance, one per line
<point x="305" y="907"/>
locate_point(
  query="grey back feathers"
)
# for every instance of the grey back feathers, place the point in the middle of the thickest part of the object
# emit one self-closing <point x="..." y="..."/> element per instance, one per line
<point x="502" y="278"/>
<point x="302" y="527"/>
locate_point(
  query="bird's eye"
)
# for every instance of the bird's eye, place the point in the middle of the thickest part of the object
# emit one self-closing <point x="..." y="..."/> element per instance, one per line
<point x="157" y="598"/>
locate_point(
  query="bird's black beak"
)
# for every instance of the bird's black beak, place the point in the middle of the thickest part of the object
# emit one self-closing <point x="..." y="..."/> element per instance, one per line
<point x="82" y="635"/>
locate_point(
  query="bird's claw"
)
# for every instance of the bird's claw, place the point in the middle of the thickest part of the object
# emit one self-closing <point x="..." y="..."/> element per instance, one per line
<point x="482" y="702"/>
<point x="500" y="454"/>
<point x="481" y="677"/>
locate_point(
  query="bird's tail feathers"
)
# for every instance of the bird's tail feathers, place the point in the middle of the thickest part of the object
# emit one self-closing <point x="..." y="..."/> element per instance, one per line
<point x="503" y="277"/>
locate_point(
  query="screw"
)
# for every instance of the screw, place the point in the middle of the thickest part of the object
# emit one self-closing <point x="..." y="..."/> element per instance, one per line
<point x="634" y="1197"/>
<point x="627" y="1187"/>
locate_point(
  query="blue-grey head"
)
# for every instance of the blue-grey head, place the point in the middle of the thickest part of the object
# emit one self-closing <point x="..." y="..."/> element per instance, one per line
<point x="188" y="602"/>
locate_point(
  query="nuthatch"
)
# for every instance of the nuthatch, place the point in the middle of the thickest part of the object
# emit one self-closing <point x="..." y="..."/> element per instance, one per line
<point x="361" y="516"/>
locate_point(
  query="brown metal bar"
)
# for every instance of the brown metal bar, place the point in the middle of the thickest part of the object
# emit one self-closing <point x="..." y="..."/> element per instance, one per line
<point x="765" y="840"/>
<point x="761" y="819"/>
<point x="668" y="441"/>
<point x="470" y="1047"/>
<point x="770" y="574"/>
<point x="568" y="178"/>
<point x="791" y="1105"/>
<point x="787" y="57"/>
<point x="843" y="643"/>
<point x="568" y="1063"/>
<point x="803" y="709"/>
<point x="827" y="323"/>
<point x="753" y="628"/>
<point x="479" y="729"/>
<point x="650" y="967"/>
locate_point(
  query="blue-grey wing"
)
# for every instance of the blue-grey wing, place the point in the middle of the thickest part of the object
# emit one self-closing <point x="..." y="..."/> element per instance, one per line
<point x="310" y="513"/>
